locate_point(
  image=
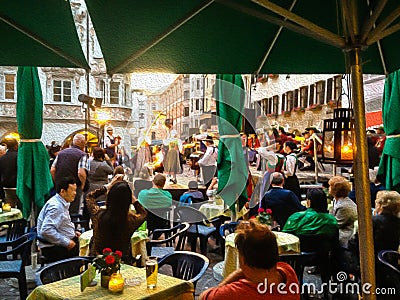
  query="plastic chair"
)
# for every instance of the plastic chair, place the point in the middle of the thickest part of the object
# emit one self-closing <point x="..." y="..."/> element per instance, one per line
<point x="298" y="261"/>
<point x="81" y="224"/>
<point x="186" y="265"/>
<point x="158" y="218"/>
<point x="197" y="230"/>
<point x="224" y="230"/>
<point x="388" y="269"/>
<point x="16" y="268"/>
<point x="170" y="235"/>
<point x="16" y="228"/>
<point x="62" y="269"/>
<point x="325" y="248"/>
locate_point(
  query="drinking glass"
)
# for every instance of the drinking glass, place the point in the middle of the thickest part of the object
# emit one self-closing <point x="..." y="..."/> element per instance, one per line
<point x="151" y="272"/>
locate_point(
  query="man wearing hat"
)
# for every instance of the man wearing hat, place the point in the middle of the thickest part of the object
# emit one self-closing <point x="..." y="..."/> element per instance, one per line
<point x="111" y="143"/>
<point x="307" y="152"/>
<point x="208" y="163"/>
<point x="192" y="193"/>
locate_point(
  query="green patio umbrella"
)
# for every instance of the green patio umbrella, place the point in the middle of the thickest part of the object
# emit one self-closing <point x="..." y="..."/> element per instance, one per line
<point x="261" y="36"/>
<point x="389" y="167"/>
<point x="39" y="33"/>
<point x="34" y="180"/>
<point x="232" y="168"/>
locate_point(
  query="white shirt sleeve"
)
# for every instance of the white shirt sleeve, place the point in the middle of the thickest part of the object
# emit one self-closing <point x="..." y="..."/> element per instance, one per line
<point x="290" y="165"/>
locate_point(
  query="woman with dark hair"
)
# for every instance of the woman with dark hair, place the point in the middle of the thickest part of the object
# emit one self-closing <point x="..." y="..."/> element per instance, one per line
<point x="290" y="166"/>
<point x="315" y="220"/>
<point x="114" y="225"/>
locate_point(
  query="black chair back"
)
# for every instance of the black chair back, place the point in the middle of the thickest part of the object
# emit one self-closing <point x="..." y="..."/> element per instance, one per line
<point x="325" y="248"/>
<point x="186" y="265"/>
<point x="388" y="269"/>
<point x="158" y="218"/>
<point x="170" y="236"/>
<point x="189" y="215"/>
<point x="62" y="269"/>
<point x="16" y="228"/>
<point x="16" y="268"/>
<point x="298" y="261"/>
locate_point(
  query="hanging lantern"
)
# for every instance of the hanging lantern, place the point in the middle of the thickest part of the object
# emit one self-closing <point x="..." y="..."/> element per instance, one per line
<point x="338" y="137"/>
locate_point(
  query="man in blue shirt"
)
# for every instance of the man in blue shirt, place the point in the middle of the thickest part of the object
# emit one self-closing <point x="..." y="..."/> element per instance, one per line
<point x="192" y="193"/>
<point x="56" y="233"/>
<point x="282" y="202"/>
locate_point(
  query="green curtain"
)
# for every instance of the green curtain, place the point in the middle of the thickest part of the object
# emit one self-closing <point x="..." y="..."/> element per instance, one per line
<point x="232" y="168"/>
<point x="389" y="167"/>
<point x="34" y="181"/>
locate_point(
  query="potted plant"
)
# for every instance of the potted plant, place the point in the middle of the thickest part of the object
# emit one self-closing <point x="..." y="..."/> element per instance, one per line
<point x="264" y="216"/>
<point x="108" y="264"/>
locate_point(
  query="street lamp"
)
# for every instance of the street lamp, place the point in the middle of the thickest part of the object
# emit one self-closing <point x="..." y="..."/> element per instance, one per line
<point x="101" y="117"/>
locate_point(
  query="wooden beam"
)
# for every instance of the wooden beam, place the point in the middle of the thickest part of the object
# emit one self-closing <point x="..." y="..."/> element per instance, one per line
<point x="367" y="26"/>
<point x="307" y="25"/>
<point x="288" y="25"/>
<point x="382" y="26"/>
<point x="384" y="34"/>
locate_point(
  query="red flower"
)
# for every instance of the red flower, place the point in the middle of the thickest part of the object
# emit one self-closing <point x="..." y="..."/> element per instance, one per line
<point x="118" y="253"/>
<point x="106" y="250"/>
<point x="252" y="217"/>
<point x="268" y="211"/>
<point x="110" y="260"/>
<point x="260" y="210"/>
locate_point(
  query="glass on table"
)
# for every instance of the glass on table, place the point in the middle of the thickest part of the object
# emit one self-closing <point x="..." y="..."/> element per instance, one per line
<point x="151" y="272"/>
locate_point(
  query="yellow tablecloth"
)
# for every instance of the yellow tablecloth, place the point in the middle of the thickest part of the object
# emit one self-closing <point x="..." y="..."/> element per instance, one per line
<point x="287" y="243"/>
<point x="14" y="214"/>
<point x="138" y="244"/>
<point x="167" y="288"/>
<point x="211" y="210"/>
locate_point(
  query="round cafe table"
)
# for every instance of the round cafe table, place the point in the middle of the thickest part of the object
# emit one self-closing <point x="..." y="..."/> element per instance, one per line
<point x="138" y="244"/>
<point x="287" y="243"/>
<point x="14" y="214"/>
<point x="212" y="210"/>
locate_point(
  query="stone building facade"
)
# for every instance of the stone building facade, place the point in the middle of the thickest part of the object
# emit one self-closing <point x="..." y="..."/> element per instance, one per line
<point x="300" y="101"/>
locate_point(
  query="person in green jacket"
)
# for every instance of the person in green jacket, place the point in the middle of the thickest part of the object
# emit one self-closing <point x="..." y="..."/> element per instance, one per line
<point x="314" y="220"/>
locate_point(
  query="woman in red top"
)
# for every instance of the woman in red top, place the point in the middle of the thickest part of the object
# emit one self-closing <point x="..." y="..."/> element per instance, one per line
<point x="260" y="276"/>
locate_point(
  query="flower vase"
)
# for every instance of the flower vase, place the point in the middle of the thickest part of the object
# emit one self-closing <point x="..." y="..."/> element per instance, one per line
<point x="105" y="277"/>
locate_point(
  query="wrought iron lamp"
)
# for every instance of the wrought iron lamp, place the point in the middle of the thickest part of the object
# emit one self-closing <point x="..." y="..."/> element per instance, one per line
<point x="338" y="137"/>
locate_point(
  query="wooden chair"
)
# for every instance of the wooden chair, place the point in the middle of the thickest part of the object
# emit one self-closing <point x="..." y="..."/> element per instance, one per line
<point x="16" y="268"/>
<point x="62" y="269"/>
<point x="186" y="265"/>
<point x="170" y="236"/>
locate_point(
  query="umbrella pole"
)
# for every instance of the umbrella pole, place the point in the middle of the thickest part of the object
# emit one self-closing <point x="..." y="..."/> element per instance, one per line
<point x="367" y="258"/>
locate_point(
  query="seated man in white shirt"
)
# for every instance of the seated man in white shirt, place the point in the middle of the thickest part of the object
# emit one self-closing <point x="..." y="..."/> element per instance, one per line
<point x="57" y="237"/>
